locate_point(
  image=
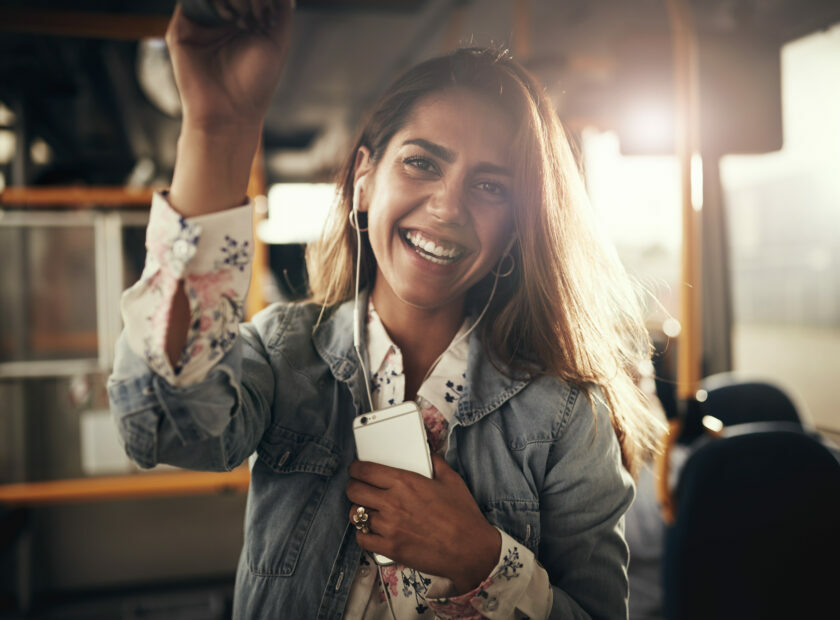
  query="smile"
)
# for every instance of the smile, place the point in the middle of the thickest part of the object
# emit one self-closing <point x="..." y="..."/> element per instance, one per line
<point x="434" y="250"/>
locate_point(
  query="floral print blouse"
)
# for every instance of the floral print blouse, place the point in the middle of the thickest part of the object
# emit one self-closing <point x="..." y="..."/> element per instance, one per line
<point x="212" y="255"/>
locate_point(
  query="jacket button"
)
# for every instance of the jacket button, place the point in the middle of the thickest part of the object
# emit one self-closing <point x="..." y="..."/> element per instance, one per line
<point x="492" y="604"/>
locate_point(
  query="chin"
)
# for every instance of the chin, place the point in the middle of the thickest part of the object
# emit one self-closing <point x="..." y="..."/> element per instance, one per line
<point x="428" y="300"/>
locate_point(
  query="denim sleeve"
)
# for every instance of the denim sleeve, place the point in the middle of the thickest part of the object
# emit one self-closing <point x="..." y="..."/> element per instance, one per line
<point x="212" y="425"/>
<point x="586" y="493"/>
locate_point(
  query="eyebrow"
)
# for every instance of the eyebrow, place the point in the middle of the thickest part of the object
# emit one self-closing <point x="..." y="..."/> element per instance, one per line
<point x="449" y="156"/>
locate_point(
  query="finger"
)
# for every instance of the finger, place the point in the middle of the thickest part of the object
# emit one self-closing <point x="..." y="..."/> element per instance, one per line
<point x="224" y="10"/>
<point x="372" y="519"/>
<point x="360" y="515"/>
<point x="242" y="8"/>
<point x="374" y="474"/>
<point x="441" y="468"/>
<point x="184" y="31"/>
<point x="371" y="540"/>
<point x="362" y="493"/>
<point x="247" y="18"/>
<point x="277" y="25"/>
<point x="261" y="9"/>
<point x="375" y="544"/>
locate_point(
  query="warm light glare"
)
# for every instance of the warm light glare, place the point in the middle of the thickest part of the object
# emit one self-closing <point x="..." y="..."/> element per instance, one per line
<point x="671" y="327"/>
<point x="645" y="368"/>
<point x="696" y="181"/>
<point x="296" y="212"/>
<point x="40" y="152"/>
<point x="712" y="423"/>
<point x="637" y="201"/>
<point x="7" y="117"/>
<point x="649" y="124"/>
<point x="7" y="146"/>
<point x="637" y="196"/>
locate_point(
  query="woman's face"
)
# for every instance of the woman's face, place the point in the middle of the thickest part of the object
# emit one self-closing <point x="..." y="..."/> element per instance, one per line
<point x="438" y="202"/>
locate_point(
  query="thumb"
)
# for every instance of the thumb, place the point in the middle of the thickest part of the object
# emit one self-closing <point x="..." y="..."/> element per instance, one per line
<point x="442" y="470"/>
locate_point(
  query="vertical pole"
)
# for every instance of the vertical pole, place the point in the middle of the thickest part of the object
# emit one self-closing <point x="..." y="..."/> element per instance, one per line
<point x="687" y="138"/>
<point x="687" y="145"/>
<point x="255" y="301"/>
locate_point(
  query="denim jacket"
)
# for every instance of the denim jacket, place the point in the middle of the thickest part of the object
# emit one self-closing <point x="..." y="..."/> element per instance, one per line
<point x="540" y="463"/>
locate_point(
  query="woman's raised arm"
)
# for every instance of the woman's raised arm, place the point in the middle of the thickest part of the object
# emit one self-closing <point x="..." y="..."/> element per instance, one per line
<point x="226" y="77"/>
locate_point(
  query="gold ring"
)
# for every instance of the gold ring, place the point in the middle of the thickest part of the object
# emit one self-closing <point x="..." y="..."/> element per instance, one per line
<point x="360" y="520"/>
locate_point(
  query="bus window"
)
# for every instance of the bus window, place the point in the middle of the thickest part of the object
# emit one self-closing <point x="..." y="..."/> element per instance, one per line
<point x="784" y="234"/>
<point x="637" y="199"/>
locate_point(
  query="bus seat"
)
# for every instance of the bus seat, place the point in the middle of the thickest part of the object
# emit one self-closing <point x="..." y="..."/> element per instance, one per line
<point x="734" y="400"/>
<point x="755" y="534"/>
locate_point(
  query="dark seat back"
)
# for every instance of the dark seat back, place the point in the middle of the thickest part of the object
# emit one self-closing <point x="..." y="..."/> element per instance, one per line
<point x="757" y="533"/>
<point x="734" y="401"/>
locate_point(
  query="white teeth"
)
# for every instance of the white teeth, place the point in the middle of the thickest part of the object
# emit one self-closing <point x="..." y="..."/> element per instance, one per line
<point x="436" y="253"/>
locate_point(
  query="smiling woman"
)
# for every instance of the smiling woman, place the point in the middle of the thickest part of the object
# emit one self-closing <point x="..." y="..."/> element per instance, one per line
<point x="437" y="218"/>
<point x="488" y="298"/>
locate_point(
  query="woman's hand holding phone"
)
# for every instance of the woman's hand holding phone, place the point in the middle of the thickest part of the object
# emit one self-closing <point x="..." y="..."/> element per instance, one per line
<point x="432" y="525"/>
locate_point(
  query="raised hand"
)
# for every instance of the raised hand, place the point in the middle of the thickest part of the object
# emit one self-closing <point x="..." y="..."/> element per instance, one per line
<point x="226" y="75"/>
<point x="434" y="526"/>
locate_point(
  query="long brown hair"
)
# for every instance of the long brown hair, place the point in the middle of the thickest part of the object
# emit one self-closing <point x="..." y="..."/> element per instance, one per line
<point x="568" y="309"/>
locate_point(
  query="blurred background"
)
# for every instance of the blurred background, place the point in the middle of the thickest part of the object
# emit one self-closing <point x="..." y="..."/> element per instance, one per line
<point x="89" y="118"/>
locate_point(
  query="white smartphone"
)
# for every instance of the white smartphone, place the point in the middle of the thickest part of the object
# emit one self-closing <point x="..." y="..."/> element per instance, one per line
<point x="396" y="437"/>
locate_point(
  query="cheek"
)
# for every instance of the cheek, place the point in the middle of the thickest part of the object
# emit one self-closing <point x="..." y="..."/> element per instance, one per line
<point x="494" y="231"/>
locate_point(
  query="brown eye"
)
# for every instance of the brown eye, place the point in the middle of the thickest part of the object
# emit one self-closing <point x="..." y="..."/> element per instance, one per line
<point x="494" y="189"/>
<point x="421" y="163"/>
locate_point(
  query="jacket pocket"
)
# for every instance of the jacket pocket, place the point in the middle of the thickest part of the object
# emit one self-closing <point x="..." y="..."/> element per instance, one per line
<point x="519" y="519"/>
<point x="288" y="483"/>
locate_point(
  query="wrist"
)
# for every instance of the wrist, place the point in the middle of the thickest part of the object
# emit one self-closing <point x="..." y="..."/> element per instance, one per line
<point x="212" y="168"/>
<point x="482" y="557"/>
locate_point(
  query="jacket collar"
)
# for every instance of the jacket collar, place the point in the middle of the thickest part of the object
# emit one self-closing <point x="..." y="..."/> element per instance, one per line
<point x="487" y="387"/>
<point x="333" y="340"/>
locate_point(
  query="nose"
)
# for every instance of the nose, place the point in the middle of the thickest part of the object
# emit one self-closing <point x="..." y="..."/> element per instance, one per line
<point x="448" y="205"/>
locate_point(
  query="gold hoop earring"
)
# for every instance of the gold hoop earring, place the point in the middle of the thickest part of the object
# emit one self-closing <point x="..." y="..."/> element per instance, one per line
<point x="509" y="270"/>
<point x="353" y="218"/>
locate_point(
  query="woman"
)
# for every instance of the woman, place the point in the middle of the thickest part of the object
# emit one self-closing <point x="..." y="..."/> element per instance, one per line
<point x="490" y="301"/>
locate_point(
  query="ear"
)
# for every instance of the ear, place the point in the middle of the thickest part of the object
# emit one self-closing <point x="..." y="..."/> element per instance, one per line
<point x="361" y="169"/>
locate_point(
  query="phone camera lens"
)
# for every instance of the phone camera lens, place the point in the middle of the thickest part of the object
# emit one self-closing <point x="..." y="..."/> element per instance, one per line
<point x="364" y="419"/>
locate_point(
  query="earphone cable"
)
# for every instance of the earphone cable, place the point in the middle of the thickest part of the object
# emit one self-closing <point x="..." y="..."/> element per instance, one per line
<point x="356" y="314"/>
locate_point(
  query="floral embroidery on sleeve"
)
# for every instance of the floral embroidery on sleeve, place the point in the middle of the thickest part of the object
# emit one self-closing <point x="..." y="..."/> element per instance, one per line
<point x="211" y="254"/>
<point x="235" y="254"/>
<point x="500" y="592"/>
<point x="510" y="565"/>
